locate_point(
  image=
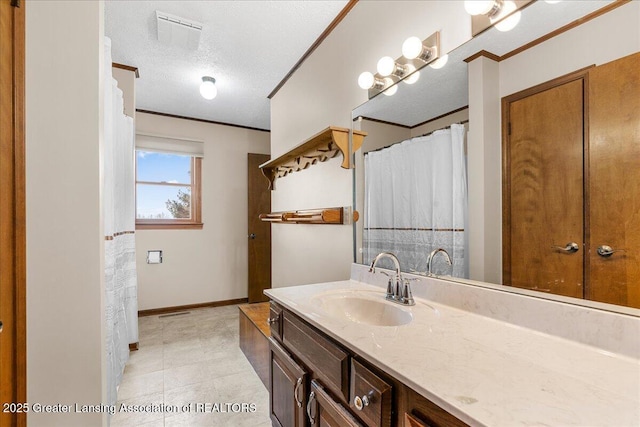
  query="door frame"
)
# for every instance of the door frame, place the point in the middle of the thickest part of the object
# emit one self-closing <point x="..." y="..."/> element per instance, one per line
<point x="581" y="74"/>
<point x="14" y="146"/>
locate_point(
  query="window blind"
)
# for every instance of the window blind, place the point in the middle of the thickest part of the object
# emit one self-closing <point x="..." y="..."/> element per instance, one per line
<point x="161" y="144"/>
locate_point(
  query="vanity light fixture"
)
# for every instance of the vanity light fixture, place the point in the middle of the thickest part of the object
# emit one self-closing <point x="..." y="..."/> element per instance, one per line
<point x="416" y="54"/>
<point x="440" y="62"/>
<point x="387" y="66"/>
<point x="413" y="48"/>
<point x="208" y="88"/>
<point x="504" y="14"/>
<point x="482" y="7"/>
<point x="367" y="80"/>
<point x="508" y="23"/>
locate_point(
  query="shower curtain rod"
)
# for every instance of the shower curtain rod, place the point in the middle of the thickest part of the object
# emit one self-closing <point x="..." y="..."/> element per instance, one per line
<point x="418" y="136"/>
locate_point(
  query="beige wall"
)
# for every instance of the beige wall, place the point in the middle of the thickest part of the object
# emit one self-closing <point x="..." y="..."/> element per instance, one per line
<point x="606" y="38"/>
<point x="209" y="264"/>
<point x="65" y="241"/>
<point x="322" y="92"/>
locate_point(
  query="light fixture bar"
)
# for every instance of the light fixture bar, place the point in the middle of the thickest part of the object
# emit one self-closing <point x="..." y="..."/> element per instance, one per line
<point x="432" y="43"/>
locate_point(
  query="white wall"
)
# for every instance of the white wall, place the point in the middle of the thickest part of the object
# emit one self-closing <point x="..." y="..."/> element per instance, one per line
<point x="322" y="92"/>
<point x="65" y="241"/>
<point x="606" y="38"/>
<point x="127" y="84"/>
<point x="209" y="264"/>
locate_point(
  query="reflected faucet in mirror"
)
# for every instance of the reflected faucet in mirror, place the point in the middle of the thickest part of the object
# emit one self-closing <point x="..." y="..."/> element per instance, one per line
<point x="432" y="255"/>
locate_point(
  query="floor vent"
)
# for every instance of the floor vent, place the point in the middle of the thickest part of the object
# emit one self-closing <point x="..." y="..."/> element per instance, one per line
<point x="174" y="314"/>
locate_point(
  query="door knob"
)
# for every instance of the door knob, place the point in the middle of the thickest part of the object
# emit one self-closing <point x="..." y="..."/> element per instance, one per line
<point x="569" y="248"/>
<point x="252" y="236"/>
<point x="606" y="251"/>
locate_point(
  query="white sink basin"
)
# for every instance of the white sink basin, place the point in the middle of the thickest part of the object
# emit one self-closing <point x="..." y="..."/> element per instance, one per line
<point x="368" y="309"/>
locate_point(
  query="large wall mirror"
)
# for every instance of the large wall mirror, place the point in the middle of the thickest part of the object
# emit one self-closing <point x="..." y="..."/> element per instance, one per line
<point x="414" y="178"/>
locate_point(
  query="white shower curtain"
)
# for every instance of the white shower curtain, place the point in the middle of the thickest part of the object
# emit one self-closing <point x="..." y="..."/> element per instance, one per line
<point x="416" y="201"/>
<point x="121" y="298"/>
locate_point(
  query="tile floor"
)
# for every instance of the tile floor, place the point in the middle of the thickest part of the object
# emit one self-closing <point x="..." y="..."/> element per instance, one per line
<point x="191" y="358"/>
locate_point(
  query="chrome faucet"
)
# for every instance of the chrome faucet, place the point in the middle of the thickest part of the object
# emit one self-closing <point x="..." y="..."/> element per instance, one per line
<point x="401" y="292"/>
<point x="432" y="255"/>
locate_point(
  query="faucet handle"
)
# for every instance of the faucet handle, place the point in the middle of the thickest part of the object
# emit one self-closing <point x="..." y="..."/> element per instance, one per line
<point x="407" y="296"/>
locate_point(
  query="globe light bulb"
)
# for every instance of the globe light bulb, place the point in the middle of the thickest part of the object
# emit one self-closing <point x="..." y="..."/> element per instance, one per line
<point x="412" y="48"/>
<point x="208" y="88"/>
<point x="477" y="7"/>
<point x="440" y="62"/>
<point x="386" y="65"/>
<point x="366" y="80"/>
<point x="413" y="75"/>
<point x="391" y="90"/>
<point x="509" y="23"/>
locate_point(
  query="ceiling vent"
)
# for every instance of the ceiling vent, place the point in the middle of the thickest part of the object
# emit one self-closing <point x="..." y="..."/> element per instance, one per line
<point x="176" y="31"/>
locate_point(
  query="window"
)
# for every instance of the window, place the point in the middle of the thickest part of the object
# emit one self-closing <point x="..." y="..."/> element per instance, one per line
<point x="167" y="187"/>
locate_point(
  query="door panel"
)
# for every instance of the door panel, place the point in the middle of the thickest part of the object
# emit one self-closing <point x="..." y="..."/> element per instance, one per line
<point x="326" y="412"/>
<point x="614" y="181"/>
<point x="259" y="232"/>
<point x="544" y="190"/>
<point x="12" y="214"/>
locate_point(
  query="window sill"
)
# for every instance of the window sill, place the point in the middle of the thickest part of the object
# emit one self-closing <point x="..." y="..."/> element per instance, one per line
<point x="169" y="226"/>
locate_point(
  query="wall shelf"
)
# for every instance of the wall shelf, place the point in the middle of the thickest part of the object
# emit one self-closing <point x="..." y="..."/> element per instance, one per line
<point x="319" y="148"/>
<point x="343" y="215"/>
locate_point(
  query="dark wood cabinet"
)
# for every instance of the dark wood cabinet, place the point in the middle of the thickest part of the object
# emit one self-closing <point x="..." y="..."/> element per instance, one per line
<point x="323" y="411"/>
<point x="287" y="389"/>
<point x="315" y="382"/>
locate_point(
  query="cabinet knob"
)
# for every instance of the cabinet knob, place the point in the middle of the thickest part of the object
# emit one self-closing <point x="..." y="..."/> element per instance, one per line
<point x="1" y="326"/>
<point x="271" y="321"/>
<point x="361" y="402"/>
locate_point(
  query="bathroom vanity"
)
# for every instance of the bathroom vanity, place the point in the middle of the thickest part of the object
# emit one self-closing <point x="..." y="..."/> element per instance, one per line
<point x="340" y="355"/>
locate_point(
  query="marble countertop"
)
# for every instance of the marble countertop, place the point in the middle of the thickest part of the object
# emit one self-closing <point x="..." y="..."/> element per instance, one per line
<point x="485" y="371"/>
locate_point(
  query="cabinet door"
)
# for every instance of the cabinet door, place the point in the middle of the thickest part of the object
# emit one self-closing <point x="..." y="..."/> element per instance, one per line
<point x="614" y="182"/>
<point x="323" y="411"/>
<point x="287" y="389"/>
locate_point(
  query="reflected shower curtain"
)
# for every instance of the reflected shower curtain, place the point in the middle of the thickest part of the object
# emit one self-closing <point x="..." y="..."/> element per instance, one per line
<point x="416" y="201"/>
<point x="121" y="293"/>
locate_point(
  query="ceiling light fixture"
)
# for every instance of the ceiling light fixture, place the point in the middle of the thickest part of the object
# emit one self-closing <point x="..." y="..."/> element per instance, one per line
<point x="416" y="54"/>
<point x="208" y="88"/>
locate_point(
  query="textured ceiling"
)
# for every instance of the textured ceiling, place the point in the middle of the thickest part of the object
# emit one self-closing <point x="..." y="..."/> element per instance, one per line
<point x="247" y="46"/>
<point x="438" y="92"/>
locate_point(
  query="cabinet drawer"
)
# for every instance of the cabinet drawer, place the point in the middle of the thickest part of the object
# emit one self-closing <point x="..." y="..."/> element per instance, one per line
<point x="275" y="321"/>
<point x="326" y="360"/>
<point x="370" y="396"/>
<point x="323" y="411"/>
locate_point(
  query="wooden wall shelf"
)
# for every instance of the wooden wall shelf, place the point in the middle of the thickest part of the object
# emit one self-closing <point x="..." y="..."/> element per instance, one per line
<point x="319" y="148"/>
<point x="343" y="215"/>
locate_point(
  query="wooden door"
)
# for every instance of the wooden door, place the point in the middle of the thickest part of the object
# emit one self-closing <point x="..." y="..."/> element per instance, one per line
<point x="287" y="389"/>
<point x="614" y="181"/>
<point x="543" y="187"/>
<point x="12" y="215"/>
<point x="323" y="411"/>
<point x="259" y="232"/>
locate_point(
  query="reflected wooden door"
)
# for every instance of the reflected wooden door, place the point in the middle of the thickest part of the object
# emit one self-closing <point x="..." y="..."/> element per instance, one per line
<point x="12" y="216"/>
<point x="259" y="232"/>
<point x="543" y="187"/>
<point x="614" y="181"/>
